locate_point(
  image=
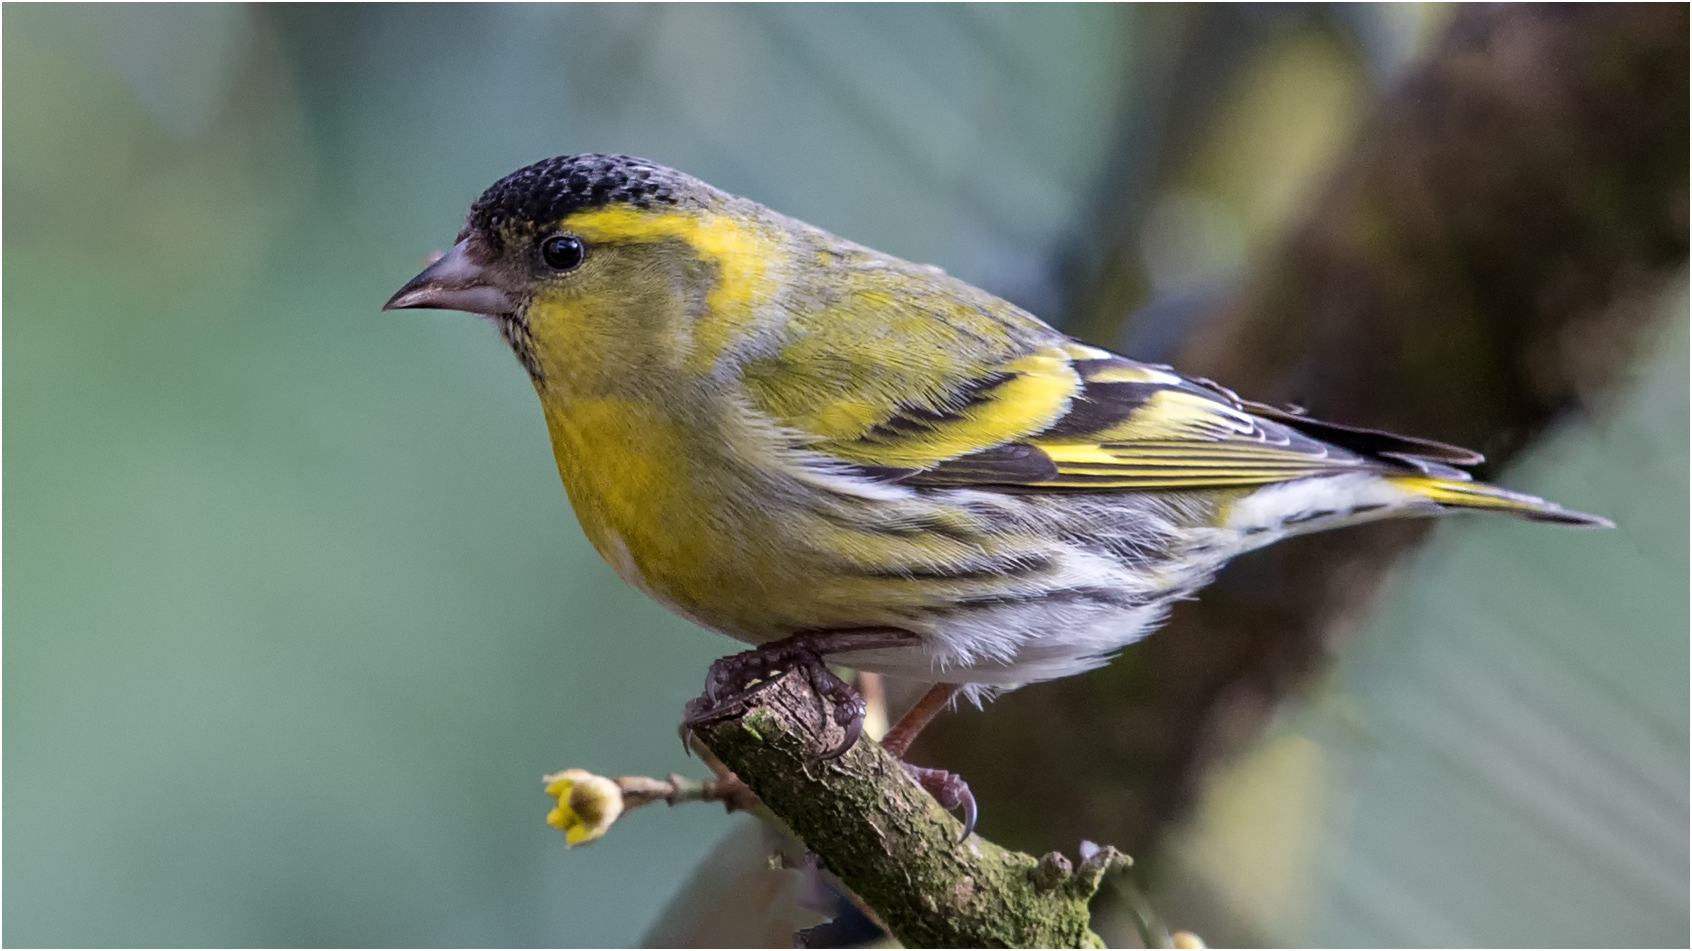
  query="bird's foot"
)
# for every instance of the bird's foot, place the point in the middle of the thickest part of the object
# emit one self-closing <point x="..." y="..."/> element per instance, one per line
<point x="734" y="680"/>
<point x="949" y="790"/>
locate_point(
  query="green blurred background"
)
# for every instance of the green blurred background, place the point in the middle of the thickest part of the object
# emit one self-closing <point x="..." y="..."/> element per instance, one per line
<point x="296" y="613"/>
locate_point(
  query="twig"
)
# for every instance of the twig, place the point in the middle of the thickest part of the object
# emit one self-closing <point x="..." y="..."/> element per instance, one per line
<point x="588" y="804"/>
<point x="726" y="789"/>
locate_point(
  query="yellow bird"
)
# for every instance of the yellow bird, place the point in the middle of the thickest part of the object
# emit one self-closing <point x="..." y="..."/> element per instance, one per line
<point x="822" y="450"/>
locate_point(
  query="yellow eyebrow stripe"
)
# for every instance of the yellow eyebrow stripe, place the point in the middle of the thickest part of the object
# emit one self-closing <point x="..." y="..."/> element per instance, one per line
<point x="740" y="250"/>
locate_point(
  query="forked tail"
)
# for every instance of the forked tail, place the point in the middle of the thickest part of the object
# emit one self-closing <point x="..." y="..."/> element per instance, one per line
<point x="1479" y="495"/>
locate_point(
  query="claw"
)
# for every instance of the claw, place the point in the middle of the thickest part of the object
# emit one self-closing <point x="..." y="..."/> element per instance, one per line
<point x="969" y="813"/>
<point x="849" y="709"/>
<point x="950" y="791"/>
<point x="854" y="729"/>
<point x="701" y="711"/>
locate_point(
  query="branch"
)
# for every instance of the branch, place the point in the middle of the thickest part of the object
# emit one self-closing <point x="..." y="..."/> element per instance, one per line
<point x="884" y="837"/>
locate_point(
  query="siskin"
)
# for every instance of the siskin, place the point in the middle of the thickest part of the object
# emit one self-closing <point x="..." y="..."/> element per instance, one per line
<point x="820" y="449"/>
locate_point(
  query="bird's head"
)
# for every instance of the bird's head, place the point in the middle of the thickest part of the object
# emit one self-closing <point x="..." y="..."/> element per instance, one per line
<point x="592" y="264"/>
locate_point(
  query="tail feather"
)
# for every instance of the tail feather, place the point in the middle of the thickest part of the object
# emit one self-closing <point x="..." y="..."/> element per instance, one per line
<point x="1479" y="495"/>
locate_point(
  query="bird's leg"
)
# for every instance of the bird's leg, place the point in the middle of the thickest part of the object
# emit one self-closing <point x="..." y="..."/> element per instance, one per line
<point x="733" y="680"/>
<point x="898" y="740"/>
<point x="948" y="789"/>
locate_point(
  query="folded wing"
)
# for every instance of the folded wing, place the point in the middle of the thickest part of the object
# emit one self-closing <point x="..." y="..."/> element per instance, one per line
<point x="1094" y="421"/>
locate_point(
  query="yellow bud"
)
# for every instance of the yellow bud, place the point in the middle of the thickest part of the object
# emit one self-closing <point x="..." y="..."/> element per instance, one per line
<point x="1186" y="939"/>
<point x="587" y="805"/>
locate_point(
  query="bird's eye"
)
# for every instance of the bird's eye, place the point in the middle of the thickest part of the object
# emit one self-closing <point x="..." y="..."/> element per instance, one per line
<point x="563" y="252"/>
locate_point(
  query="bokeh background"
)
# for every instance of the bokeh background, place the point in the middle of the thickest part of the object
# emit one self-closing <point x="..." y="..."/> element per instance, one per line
<point x="296" y="613"/>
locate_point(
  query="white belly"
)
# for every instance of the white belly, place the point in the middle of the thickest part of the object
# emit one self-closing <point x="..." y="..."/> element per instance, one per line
<point x="1006" y="646"/>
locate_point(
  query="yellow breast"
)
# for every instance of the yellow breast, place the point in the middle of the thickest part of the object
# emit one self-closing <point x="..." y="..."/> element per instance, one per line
<point x="626" y="470"/>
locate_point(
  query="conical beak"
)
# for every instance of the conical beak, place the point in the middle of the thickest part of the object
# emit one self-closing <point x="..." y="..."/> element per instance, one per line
<point x="455" y="282"/>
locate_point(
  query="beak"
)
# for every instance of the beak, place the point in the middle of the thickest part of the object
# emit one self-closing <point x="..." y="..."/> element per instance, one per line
<point x="455" y="282"/>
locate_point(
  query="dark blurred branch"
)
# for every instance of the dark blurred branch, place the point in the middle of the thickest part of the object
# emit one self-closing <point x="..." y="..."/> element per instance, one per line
<point x="884" y="837"/>
<point x="1482" y="264"/>
<point x="1190" y="58"/>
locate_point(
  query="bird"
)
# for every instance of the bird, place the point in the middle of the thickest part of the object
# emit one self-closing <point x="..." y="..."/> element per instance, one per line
<point x="835" y="455"/>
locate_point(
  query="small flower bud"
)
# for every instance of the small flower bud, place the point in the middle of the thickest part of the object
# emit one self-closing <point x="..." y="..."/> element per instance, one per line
<point x="587" y="805"/>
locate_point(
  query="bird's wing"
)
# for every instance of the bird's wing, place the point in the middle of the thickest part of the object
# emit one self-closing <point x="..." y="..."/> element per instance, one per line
<point x="1133" y="426"/>
<point x="1060" y="415"/>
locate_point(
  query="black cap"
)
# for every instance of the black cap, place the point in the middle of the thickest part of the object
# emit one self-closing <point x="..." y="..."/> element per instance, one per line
<point x="546" y="191"/>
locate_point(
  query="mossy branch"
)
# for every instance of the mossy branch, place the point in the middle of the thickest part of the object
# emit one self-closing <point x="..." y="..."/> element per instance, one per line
<point x="886" y="839"/>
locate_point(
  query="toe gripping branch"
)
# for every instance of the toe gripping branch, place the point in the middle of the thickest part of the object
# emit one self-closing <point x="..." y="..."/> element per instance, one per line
<point x="950" y="791"/>
<point x="734" y="680"/>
